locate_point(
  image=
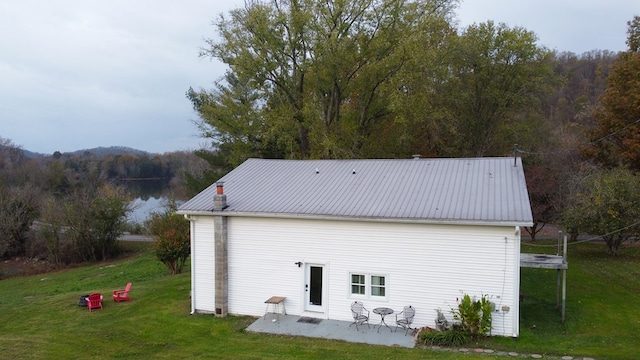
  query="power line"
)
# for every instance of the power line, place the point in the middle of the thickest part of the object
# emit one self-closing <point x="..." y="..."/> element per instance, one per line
<point x="613" y="133"/>
<point x="584" y="144"/>
<point x="590" y="239"/>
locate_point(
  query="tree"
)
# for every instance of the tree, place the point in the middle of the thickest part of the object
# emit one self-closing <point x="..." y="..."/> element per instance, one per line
<point x="94" y="219"/>
<point x="615" y="139"/>
<point x="18" y="209"/>
<point x="492" y="99"/>
<point x="307" y="78"/>
<point x="608" y="206"/>
<point x="196" y="180"/>
<point x="543" y="186"/>
<point x="173" y="242"/>
<point x="11" y="159"/>
<point x="633" y="34"/>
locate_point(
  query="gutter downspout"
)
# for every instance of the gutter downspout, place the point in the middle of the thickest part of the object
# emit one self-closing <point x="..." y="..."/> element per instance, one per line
<point x="192" y="227"/>
<point x="516" y="282"/>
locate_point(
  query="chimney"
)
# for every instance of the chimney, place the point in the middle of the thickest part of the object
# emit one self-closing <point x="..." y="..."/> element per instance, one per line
<point x="219" y="199"/>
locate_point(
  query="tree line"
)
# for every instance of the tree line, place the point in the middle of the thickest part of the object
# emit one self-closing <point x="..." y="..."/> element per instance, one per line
<point x="73" y="207"/>
<point x="387" y="79"/>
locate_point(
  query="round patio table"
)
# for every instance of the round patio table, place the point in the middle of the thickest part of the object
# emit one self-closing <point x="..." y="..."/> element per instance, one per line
<point x="383" y="311"/>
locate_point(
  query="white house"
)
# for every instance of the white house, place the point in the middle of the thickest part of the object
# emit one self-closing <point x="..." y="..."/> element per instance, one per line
<point x="324" y="233"/>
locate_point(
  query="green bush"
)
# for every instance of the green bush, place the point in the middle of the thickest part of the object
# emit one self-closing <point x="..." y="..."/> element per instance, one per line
<point x="172" y="238"/>
<point x="455" y="336"/>
<point x="474" y="315"/>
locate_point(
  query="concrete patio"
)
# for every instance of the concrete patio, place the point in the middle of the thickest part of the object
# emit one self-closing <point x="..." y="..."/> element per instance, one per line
<point x="332" y="329"/>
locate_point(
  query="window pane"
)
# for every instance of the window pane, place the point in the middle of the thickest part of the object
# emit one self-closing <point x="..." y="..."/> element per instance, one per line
<point x="378" y="286"/>
<point x="377" y="291"/>
<point x="357" y="284"/>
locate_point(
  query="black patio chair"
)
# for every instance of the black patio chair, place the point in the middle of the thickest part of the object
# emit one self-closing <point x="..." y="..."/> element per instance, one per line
<point x="360" y="314"/>
<point x="404" y="319"/>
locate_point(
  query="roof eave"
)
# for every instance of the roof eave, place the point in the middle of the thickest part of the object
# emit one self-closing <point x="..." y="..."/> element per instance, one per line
<point x="522" y="223"/>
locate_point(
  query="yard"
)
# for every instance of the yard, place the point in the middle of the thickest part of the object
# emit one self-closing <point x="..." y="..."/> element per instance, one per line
<point x="42" y="320"/>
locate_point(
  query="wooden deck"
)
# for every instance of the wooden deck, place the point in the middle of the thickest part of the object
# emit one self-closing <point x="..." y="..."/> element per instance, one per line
<point x="542" y="261"/>
<point x="558" y="262"/>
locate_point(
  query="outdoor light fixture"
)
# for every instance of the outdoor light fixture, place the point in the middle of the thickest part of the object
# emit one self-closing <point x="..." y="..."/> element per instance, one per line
<point x="299" y="263"/>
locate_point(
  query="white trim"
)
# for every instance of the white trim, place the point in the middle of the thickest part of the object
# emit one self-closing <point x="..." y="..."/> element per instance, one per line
<point x="516" y="285"/>
<point x="307" y="307"/>
<point x="368" y="286"/>
<point x="192" y="235"/>
<point x="355" y="218"/>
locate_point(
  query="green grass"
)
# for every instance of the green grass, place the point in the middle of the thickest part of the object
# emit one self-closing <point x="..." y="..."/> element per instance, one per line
<point x="602" y="308"/>
<point x="40" y="318"/>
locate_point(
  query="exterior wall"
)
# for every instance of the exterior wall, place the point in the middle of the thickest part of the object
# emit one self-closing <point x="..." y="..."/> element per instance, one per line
<point x="427" y="266"/>
<point x="203" y="267"/>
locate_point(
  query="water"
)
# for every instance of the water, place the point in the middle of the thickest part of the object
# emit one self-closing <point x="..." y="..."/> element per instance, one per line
<point x="142" y="209"/>
<point x="150" y="197"/>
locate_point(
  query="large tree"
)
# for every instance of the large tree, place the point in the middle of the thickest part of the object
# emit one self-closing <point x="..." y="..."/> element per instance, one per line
<point x="615" y="139"/>
<point x="544" y="189"/>
<point x="18" y="210"/>
<point x="492" y="99"/>
<point x="310" y="79"/>
<point x="608" y="204"/>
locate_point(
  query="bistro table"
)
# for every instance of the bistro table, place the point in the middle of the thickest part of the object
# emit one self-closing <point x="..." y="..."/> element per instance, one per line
<point x="383" y="311"/>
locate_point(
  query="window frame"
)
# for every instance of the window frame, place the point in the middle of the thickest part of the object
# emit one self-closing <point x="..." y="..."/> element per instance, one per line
<point x="361" y="285"/>
<point x="369" y="285"/>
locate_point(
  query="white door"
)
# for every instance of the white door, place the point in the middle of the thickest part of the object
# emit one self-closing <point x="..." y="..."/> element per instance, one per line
<point x="314" y="287"/>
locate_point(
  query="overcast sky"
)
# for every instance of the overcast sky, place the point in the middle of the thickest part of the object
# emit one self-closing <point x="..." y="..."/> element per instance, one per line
<point x="77" y="74"/>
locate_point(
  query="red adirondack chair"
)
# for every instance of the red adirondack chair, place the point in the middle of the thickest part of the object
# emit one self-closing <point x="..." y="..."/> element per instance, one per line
<point x="94" y="301"/>
<point x="123" y="294"/>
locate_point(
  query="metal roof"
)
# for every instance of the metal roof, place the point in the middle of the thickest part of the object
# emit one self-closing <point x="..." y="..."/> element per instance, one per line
<point x="470" y="190"/>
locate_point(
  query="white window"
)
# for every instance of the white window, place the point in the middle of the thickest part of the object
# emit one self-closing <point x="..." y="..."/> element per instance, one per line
<point x="378" y="287"/>
<point x="357" y="284"/>
<point x="368" y="285"/>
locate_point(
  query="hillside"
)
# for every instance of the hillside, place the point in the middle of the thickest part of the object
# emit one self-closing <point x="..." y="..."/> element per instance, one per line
<point x="96" y="151"/>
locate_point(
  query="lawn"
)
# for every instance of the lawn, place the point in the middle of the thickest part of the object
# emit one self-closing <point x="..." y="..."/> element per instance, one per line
<point x="40" y="318"/>
<point x="602" y="308"/>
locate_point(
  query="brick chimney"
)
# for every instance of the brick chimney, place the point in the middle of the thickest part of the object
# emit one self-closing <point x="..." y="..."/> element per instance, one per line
<point x="219" y="199"/>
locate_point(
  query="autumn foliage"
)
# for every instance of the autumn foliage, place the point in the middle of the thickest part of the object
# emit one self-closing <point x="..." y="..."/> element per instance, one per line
<point x="172" y="238"/>
<point x="615" y="139"/>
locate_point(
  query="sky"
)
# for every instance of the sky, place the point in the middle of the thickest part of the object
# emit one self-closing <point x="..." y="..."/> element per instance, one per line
<point x="78" y="74"/>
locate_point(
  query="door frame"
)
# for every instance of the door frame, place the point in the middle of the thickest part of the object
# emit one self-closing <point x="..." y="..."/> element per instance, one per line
<point x="306" y="287"/>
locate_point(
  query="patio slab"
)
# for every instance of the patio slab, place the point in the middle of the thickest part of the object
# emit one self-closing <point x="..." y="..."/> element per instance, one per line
<point x="332" y="329"/>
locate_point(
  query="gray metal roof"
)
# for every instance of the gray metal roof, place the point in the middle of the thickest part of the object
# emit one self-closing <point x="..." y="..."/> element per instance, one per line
<point x="484" y="190"/>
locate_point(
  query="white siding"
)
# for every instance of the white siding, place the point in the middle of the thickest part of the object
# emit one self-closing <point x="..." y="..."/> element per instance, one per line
<point x="427" y="266"/>
<point x="202" y="254"/>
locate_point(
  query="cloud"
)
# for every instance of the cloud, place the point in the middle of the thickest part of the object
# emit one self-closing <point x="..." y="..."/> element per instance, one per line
<point x="78" y="74"/>
<point x="563" y="25"/>
<point x="90" y="73"/>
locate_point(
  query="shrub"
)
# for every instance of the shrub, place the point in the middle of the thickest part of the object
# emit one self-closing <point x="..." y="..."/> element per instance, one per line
<point x="474" y="315"/>
<point x="455" y="336"/>
<point x="172" y="238"/>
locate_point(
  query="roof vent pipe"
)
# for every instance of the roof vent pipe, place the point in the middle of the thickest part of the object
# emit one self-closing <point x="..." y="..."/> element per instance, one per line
<point x="416" y="157"/>
<point x="219" y="199"/>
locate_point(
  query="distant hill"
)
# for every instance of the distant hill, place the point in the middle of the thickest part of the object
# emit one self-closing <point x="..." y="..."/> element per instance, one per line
<point x="112" y="150"/>
<point x="97" y="151"/>
<point x="32" y="155"/>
